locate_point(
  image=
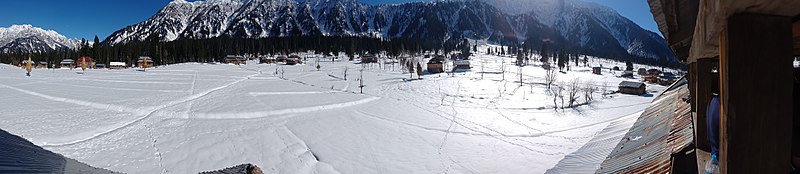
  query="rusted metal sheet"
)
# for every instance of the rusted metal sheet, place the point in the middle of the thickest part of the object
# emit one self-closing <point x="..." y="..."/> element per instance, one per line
<point x="663" y="128"/>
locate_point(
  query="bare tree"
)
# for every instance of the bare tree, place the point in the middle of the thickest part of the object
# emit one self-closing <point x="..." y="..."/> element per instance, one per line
<point x="419" y="71"/>
<point x="503" y="68"/>
<point x="345" y="73"/>
<point x="558" y="93"/>
<point x="519" y="71"/>
<point x="550" y="77"/>
<point x="588" y="91"/>
<point x="410" y="70"/>
<point x="572" y="91"/>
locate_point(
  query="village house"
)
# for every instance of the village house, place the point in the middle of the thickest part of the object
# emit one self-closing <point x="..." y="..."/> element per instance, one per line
<point x="41" y="64"/>
<point x="597" y="70"/>
<point x="436" y="64"/>
<point x="67" y="63"/>
<point x="281" y="58"/>
<point x="117" y="65"/>
<point x="144" y="61"/>
<point x="88" y="60"/>
<point x="236" y="60"/>
<point x="634" y="88"/>
<point x="268" y="60"/>
<point x="369" y="59"/>
<point x="293" y="60"/>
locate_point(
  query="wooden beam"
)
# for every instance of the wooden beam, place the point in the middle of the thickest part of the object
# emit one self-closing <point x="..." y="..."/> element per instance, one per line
<point x="796" y="36"/>
<point x="756" y="87"/>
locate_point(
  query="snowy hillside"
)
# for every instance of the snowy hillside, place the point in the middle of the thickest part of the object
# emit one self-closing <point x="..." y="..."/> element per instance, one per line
<point x="27" y="38"/>
<point x="193" y="117"/>
<point x="574" y="24"/>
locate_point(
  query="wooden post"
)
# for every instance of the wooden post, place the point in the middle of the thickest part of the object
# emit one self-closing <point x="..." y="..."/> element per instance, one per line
<point x="703" y="95"/>
<point x="756" y="100"/>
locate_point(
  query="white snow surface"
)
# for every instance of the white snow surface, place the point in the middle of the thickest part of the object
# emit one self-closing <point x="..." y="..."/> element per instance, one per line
<point x="193" y="117"/>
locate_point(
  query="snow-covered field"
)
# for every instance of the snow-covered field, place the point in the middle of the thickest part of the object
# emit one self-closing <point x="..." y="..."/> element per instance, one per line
<point x="193" y="117"/>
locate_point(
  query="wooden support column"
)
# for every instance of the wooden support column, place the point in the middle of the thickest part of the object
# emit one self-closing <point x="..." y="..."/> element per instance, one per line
<point x="756" y="88"/>
<point x="703" y="94"/>
<point x="693" y="85"/>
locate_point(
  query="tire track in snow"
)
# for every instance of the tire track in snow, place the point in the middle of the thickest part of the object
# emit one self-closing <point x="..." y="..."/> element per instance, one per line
<point x="150" y="113"/>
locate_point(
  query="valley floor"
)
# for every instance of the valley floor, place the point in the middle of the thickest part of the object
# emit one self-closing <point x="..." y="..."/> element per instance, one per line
<point x="193" y="117"/>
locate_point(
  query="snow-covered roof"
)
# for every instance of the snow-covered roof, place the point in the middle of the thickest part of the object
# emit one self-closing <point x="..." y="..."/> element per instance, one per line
<point x="116" y="63"/>
<point x="631" y="84"/>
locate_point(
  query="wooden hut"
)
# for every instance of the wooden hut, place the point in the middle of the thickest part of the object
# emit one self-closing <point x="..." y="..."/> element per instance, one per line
<point x="634" y="88"/>
<point x="597" y="70"/>
<point x="117" y="65"/>
<point x="642" y="72"/>
<point x="281" y="58"/>
<point x="742" y="40"/>
<point x="293" y="60"/>
<point x="369" y="59"/>
<point x="268" y="60"/>
<point x="41" y="64"/>
<point x="88" y="60"/>
<point x="67" y="63"/>
<point x="653" y="72"/>
<point x="145" y="62"/>
<point x="436" y="65"/>
<point x="236" y="60"/>
<point x="627" y="74"/>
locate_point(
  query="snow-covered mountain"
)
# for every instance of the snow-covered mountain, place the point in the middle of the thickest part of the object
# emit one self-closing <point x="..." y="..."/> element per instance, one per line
<point x="591" y="26"/>
<point x="27" y="38"/>
<point x="573" y="24"/>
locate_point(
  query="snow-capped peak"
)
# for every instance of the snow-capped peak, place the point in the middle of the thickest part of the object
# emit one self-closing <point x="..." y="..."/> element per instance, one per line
<point x="28" y="38"/>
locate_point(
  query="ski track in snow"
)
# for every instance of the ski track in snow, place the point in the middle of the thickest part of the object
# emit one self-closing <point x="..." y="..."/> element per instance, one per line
<point x="190" y="98"/>
<point x="262" y="114"/>
<point x="292" y="93"/>
<point x="109" y="107"/>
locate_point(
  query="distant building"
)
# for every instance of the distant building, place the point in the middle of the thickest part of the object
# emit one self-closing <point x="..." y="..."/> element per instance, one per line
<point x="436" y="65"/>
<point x="117" y="65"/>
<point x="144" y="60"/>
<point x="88" y="60"/>
<point x="597" y="70"/>
<point x="654" y="72"/>
<point x="667" y="79"/>
<point x="293" y="60"/>
<point x="41" y="64"/>
<point x="642" y="72"/>
<point x="268" y="60"/>
<point x="369" y="59"/>
<point x="281" y="58"/>
<point x="635" y="88"/>
<point x="67" y="63"/>
<point x="236" y="60"/>
<point x="627" y="74"/>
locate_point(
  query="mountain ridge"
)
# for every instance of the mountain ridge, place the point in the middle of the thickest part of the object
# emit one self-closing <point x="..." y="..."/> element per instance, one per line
<point x="586" y="27"/>
<point x="28" y="38"/>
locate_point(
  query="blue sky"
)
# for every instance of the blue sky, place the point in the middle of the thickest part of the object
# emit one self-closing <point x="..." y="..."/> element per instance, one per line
<point x="87" y="18"/>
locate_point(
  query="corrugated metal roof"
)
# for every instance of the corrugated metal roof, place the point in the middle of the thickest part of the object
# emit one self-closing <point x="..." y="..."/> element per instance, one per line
<point x="663" y="129"/>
